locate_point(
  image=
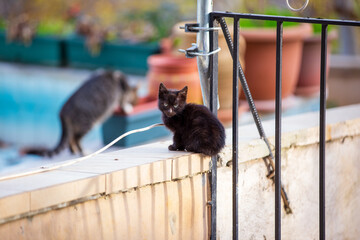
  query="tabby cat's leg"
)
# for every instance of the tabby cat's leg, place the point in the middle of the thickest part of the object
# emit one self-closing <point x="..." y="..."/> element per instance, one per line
<point x="72" y="148"/>
<point x="73" y="145"/>
<point x="77" y="139"/>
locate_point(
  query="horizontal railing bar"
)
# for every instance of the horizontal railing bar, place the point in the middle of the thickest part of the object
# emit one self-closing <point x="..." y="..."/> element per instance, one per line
<point x="217" y="14"/>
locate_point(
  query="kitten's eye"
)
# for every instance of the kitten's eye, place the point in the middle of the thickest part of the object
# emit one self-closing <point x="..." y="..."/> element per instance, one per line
<point x="165" y="104"/>
<point x="176" y="105"/>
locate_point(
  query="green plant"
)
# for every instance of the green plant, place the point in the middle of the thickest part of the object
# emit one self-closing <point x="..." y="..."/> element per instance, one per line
<point x="2" y="24"/>
<point x="148" y="24"/>
<point x="348" y="9"/>
<point x="56" y="27"/>
<point x="250" y="23"/>
<point x="163" y="19"/>
<point x="317" y="28"/>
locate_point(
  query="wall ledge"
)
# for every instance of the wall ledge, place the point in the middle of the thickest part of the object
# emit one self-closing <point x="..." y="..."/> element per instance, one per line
<point x="299" y="130"/>
<point x="136" y="167"/>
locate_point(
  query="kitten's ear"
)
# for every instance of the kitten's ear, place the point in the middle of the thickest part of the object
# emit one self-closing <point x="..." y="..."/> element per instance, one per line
<point x="162" y="89"/>
<point x="183" y="92"/>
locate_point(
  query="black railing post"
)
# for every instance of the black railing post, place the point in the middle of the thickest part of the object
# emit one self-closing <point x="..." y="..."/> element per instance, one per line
<point x="322" y="132"/>
<point x="279" y="189"/>
<point x="279" y="38"/>
<point x="213" y="109"/>
<point x="235" y="124"/>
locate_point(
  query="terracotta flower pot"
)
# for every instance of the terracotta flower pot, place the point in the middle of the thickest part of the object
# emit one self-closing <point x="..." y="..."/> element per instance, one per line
<point x="260" y="58"/>
<point x="225" y="115"/>
<point x="183" y="40"/>
<point x="309" y="77"/>
<point x="175" y="72"/>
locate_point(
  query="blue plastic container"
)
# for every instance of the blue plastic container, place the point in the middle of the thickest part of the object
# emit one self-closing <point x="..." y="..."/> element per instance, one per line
<point x="119" y="124"/>
<point x="46" y="50"/>
<point x="129" y="57"/>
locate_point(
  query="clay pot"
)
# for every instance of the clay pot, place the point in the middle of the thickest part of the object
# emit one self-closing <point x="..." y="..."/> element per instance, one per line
<point x="260" y="58"/>
<point x="175" y="72"/>
<point x="309" y="77"/>
<point x="183" y="41"/>
<point x="225" y="115"/>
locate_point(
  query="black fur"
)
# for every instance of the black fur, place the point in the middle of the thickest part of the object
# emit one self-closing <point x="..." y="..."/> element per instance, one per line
<point x="195" y="128"/>
<point x="92" y="103"/>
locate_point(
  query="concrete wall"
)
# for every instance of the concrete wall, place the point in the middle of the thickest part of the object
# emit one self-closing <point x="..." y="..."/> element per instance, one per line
<point x="169" y="210"/>
<point x="300" y="174"/>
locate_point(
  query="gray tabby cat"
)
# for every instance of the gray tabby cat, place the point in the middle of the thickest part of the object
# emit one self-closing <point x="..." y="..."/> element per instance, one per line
<point x="91" y="104"/>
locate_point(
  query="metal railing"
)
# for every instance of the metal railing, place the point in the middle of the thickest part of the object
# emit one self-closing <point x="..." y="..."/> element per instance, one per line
<point x="217" y="18"/>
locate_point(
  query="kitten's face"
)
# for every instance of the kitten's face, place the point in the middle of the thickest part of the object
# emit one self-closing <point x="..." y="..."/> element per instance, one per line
<point x="171" y="102"/>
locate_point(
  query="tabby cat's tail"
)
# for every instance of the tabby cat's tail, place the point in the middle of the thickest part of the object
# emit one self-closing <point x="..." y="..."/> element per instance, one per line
<point x="61" y="145"/>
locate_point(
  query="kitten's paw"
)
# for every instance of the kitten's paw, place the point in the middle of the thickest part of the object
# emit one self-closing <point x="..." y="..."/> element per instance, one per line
<point x="172" y="147"/>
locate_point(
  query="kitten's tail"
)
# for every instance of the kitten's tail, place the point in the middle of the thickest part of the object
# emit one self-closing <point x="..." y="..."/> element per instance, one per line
<point x="49" y="153"/>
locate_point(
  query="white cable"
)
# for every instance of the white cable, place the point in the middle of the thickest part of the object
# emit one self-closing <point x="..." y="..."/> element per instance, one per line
<point x="297" y="9"/>
<point x="68" y="163"/>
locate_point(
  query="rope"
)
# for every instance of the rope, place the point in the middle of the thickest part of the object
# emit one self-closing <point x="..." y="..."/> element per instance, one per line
<point x="68" y="163"/>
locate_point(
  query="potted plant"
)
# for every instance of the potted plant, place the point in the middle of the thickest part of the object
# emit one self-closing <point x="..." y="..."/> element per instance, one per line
<point x="183" y="40"/>
<point x="260" y="58"/>
<point x="124" y="45"/>
<point x="309" y="77"/>
<point x="126" y="56"/>
<point x="175" y="71"/>
<point x="145" y="113"/>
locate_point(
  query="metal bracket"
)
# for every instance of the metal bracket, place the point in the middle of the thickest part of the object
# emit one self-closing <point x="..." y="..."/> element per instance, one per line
<point x="195" y="27"/>
<point x="193" y="51"/>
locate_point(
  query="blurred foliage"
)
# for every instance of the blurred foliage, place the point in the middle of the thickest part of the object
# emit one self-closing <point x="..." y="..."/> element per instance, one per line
<point x="337" y="9"/>
<point x="54" y="27"/>
<point x="254" y="6"/>
<point x="2" y="24"/>
<point x="153" y="24"/>
<point x="317" y="28"/>
<point x="271" y="10"/>
<point x="139" y="20"/>
<point x="357" y="8"/>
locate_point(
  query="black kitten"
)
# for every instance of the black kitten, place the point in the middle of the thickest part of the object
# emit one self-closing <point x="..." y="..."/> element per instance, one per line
<point x="91" y="104"/>
<point x="195" y="128"/>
